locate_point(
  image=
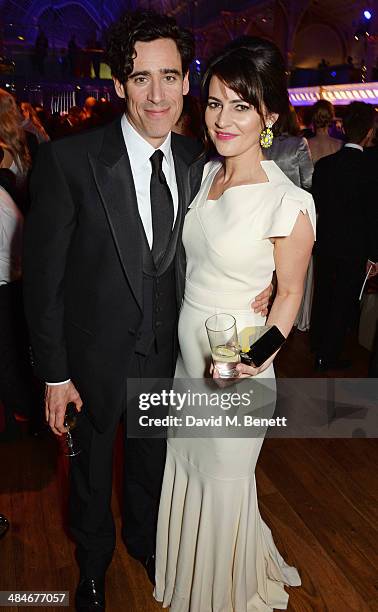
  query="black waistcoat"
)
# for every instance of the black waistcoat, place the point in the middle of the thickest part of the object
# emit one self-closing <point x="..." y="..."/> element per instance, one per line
<point x="159" y="323"/>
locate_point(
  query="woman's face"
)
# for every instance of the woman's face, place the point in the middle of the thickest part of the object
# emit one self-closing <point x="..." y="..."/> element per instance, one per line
<point x="234" y="126"/>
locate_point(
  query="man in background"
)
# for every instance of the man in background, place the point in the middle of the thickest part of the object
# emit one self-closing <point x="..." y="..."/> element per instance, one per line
<point x="344" y="187"/>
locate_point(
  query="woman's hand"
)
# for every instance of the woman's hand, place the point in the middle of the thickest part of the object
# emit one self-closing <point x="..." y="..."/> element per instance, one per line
<point x="261" y="302"/>
<point x="222" y="383"/>
<point x="244" y="371"/>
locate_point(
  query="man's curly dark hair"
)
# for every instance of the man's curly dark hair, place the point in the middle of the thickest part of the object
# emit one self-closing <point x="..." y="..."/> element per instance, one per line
<point x="143" y="26"/>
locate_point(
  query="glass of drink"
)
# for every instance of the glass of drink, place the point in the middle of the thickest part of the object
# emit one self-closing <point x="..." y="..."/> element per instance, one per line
<point x="70" y="421"/>
<point x="225" y="349"/>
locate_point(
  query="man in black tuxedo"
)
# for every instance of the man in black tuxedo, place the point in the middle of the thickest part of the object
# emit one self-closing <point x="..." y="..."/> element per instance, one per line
<point x="344" y="187"/>
<point x="104" y="278"/>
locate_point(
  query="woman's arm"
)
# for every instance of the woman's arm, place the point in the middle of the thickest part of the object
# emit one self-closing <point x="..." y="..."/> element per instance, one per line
<point x="292" y="254"/>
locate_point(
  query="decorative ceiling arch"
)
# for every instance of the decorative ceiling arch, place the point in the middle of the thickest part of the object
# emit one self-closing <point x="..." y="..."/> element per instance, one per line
<point x="100" y="12"/>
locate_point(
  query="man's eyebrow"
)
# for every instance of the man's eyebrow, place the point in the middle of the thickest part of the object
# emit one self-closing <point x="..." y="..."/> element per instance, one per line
<point x="139" y="73"/>
<point x="148" y="73"/>
<point x="170" y="71"/>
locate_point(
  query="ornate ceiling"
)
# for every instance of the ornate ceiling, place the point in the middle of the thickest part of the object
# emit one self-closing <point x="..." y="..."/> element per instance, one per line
<point x="214" y="22"/>
<point x="199" y="11"/>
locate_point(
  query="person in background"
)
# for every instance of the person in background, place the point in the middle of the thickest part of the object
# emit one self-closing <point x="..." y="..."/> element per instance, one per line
<point x="322" y="143"/>
<point x="14" y="143"/>
<point x="304" y="116"/>
<point x="190" y="122"/>
<point x="16" y="393"/>
<point x="40" y="51"/>
<point x="31" y="122"/>
<point x="73" y="55"/>
<point x="291" y="152"/>
<point x="43" y="115"/>
<point x="90" y="117"/>
<point x="344" y="188"/>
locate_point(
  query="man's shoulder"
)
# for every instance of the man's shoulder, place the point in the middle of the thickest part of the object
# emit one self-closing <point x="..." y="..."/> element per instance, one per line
<point x="83" y="142"/>
<point x="188" y="148"/>
<point x="329" y="161"/>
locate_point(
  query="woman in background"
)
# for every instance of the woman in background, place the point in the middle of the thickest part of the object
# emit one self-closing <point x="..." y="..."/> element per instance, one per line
<point x="291" y="152"/>
<point x="13" y="141"/>
<point x="32" y="124"/>
<point x="322" y="143"/>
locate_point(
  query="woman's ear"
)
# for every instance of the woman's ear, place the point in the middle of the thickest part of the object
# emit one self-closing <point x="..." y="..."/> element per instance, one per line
<point x="271" y="119"/>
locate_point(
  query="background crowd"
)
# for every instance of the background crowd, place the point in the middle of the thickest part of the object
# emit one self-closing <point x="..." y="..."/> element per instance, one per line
<point x="344" y="186"/>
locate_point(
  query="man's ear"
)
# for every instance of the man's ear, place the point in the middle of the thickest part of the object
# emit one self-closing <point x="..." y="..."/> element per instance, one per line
<point x="120" y="89"/>
<point x="366" y="142"/>
<point x="185" y="83"/>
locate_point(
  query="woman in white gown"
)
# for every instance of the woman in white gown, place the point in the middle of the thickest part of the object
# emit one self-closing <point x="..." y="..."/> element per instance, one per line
<point x="214" y="551"/>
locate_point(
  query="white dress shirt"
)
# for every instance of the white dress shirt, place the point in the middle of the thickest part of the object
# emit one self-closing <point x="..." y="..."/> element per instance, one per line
<point x="140" y="151"/>
<point x="353" y="145"/>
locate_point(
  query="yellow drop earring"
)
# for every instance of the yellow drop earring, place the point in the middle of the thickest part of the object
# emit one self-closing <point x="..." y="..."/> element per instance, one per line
<point x="266" y="136"/>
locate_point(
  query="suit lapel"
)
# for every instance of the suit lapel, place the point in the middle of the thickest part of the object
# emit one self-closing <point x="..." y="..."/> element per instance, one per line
<point x="114" y="181"/>
<point x="183" y="179"/>
<point x="183" y="189"/>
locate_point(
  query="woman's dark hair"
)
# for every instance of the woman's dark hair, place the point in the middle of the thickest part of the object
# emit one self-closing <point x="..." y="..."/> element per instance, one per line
<point x="322" y="114"/>
<point x="143" y="26"/>
<point x="255" y="69"/>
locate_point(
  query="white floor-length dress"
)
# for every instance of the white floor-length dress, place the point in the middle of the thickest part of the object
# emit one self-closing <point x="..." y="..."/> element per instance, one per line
<point x="214" y="551"/>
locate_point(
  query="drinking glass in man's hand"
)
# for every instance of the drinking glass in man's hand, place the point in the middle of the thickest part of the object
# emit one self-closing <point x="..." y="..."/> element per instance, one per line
<point x="70" y="422"/>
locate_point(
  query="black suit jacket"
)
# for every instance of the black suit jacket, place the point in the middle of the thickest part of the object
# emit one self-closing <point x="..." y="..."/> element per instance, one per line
<point x="345" y="187"/>
<point x="83" y="277"/>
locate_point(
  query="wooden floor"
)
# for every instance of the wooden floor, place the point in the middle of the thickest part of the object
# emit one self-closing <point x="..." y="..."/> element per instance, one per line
<point x="319" y="497"/>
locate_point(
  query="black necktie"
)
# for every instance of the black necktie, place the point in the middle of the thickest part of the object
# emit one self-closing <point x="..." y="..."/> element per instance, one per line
<point x="161" y="208"/>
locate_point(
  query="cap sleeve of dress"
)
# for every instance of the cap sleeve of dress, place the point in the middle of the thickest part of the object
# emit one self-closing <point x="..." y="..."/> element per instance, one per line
<point x="285" y="212"/>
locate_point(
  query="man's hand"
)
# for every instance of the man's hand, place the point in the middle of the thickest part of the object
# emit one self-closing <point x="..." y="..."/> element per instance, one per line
<point x="56" y="399"/>
<point x="373" y="270"/>
<point x="261" y="302"/>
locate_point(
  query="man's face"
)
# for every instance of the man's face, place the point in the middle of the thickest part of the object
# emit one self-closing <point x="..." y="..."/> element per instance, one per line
<point x="154" y="91"/>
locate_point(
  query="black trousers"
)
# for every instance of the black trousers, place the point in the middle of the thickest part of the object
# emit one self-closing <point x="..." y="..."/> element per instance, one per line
<point x="337" y="286"/>
<point x="90" y="516"/>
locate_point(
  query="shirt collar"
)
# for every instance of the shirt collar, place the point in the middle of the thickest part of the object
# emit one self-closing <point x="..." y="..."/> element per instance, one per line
<point x="139" y="149"/>
<point x="352" y="145"/>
